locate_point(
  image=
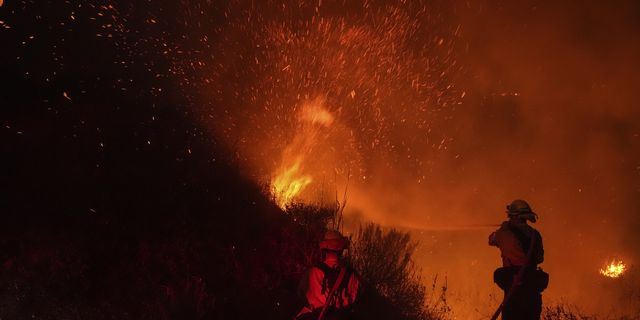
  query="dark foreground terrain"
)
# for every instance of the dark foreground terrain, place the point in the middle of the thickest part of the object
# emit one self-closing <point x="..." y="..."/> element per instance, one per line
<point x="114" y="204"/>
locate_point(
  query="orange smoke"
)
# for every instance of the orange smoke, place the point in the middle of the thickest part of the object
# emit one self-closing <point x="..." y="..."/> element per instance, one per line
<point x="443" y="123"/>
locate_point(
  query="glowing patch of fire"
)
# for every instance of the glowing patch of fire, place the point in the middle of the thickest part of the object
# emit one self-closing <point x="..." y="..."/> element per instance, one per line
<point x="290" y="180"/>
<point x="614" y="269"/>
<point x="287" y="185"/>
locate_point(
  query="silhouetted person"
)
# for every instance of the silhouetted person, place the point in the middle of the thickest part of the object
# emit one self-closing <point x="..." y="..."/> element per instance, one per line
<point x="521" y="250"/>
<point x="330" y="282"/>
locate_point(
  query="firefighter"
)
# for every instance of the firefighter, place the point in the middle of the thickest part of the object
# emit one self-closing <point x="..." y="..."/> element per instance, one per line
<point x="521" y="250"/>
<point x="332" y="286"/>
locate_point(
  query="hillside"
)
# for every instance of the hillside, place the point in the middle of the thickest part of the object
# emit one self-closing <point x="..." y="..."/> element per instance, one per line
<point x="121" y="208"/>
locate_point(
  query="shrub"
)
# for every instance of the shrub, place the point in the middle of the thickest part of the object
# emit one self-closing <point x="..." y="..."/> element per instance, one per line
<point x="563" y="312"/>
<point x="384" y="262"/>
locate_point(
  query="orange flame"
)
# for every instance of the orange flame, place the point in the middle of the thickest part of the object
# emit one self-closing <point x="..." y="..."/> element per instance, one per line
<point x="290" y="180"/>
<point x="614" y="269"/>
<point x="315" y="113"/>
<point x="288" y="184"/>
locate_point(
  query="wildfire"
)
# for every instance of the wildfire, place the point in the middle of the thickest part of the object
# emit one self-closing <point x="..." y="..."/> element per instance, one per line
<point x="287" y="185"/>
<point x="315" y="113"/>
<point x="614" y="269"/>
<point x="290" y="180"/>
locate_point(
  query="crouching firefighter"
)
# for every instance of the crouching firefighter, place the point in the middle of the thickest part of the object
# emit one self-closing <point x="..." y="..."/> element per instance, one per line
<point x="520" y="278"/>
<point x="332" y="286"/>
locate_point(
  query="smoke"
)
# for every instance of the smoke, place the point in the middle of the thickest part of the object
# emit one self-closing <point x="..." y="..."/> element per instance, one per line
<point x="550" y="115"/>
<point x="381" y="69"/>
<point x="568" y="141"/>
<point x="446" y="113"/>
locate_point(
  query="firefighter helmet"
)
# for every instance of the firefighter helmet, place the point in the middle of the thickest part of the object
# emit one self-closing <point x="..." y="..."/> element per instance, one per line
<point x="334" y="241"/>
<point x="520" y="208"/>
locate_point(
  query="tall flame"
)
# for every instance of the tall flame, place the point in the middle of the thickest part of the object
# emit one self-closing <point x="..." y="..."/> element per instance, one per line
<point x="614" y="269"/>
<point x="288" y="184"/>
<point x="290" y="179"/>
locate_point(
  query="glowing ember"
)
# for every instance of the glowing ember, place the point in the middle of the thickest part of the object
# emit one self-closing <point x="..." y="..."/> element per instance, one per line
<point x="287" y="185"/>
<point x="614" y="269"/>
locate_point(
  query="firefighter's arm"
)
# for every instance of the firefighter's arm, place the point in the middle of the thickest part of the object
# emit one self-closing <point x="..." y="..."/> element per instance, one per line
<point x="314" y="294"/>
<point x="498" y="236"/>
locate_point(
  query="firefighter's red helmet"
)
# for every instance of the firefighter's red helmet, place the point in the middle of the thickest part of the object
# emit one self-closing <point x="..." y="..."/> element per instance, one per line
<point x="333" y="240"/>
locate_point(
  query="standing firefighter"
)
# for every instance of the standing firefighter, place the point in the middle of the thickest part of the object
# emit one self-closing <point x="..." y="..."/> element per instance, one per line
<point x="521" y="250"/>
<point x="332" y="286"/>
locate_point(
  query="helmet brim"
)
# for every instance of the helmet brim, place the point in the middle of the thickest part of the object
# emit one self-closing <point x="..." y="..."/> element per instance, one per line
<point x="529" y="215"/>
<point x="334" y="244"/>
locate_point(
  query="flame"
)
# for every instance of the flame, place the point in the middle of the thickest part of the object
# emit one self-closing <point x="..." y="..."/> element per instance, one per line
<point x="288" y="184"/>
<point x="290" y="180"/>
<point x="315" y="113"/>
<point x="614" y="269"/>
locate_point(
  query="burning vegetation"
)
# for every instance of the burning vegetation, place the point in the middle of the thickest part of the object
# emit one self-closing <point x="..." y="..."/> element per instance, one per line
<point x="288" y="184"/>
<point x="614" y="269"/>
<point x="309" y="138"/>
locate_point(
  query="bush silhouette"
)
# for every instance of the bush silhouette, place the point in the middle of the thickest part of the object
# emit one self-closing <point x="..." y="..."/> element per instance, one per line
<point x="383" y="260"/>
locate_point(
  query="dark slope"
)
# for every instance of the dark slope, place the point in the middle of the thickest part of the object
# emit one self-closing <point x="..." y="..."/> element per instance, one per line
<point x="107" y="213"/>
<point x="114" y="203"/>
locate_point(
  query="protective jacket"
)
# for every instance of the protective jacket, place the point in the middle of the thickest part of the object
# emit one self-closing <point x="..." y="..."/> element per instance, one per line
<point x="321" y="279"/>
<point x="513" y="239"/>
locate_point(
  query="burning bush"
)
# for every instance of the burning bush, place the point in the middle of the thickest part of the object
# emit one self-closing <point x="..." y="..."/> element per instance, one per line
<point x="614" y="269"/>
